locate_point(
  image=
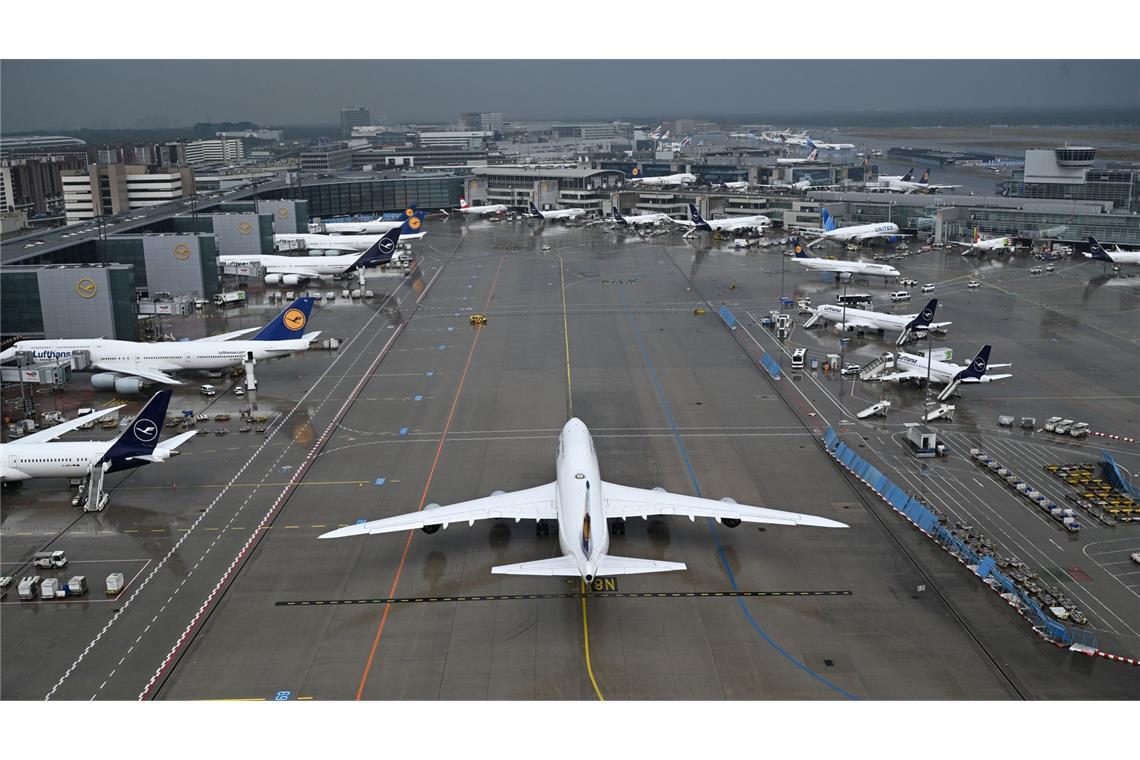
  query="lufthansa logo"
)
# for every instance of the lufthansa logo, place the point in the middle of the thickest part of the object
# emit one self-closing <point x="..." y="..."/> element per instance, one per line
<point x="926" y="314"/>
<point x="386" y="245"/>
<point x="245" y="228"/>
<point x="414" y="222"/>
<point x="798" y="249"/>
<point x="294" y="319"/>
<point x="282" y="213"/>
<point x="181" y="251"/>
<point x="409" y="212"/>
<point x="146" y="431"/>
<point x="979" y="365"/>
<point x="635" y="171"/>
<point x="86" y="288"/>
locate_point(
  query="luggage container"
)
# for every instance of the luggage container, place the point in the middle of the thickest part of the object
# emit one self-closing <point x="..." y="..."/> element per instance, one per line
<point x="77" y="585"/>
<point x="48" y="588"/>
<point x="115" y="584"/>
<point x="29" y="587"/>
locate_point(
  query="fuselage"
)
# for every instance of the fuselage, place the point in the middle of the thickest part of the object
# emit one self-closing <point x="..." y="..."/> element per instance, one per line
<point x="67" y="459"/>
<point x="757" y="221"/>
<point x="1120" y="256"/>
<point x="562" y="213"/>
<point x="496" y="208"/>
<point x="858" y="231"/>
<point x="582" y="529"/>
<point x="639" y="219"/>
<point x="327" y="266"/>
<point x="833" y="313"/>
<point x="361" y="228"/>
<point x="342" y="242"/>
<point x="848" y="267"/>
<point x="670" y="179"/>
<point x="940" y="372"/>
<point x="186" y="354"/>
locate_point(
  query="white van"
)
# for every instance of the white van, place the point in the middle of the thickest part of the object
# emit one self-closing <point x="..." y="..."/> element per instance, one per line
<point x="900" y="295"/>
<point x="208" y="390"/>
<point x="798" y="357"/>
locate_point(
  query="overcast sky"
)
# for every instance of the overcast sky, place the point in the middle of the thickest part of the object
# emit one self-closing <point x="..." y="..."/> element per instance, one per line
<point x="74" y="94"/>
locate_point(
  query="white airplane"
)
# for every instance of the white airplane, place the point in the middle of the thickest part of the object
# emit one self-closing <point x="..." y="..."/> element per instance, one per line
<point x="861" y="320"/>
<point x="741" y="185"/>
<point x="1119" y="256"/>
<point x="39" y="456"/>
<point x="638" y="220"/>
<point x="757" y="222"/>
<point x="582" y="503"/>
<point x="410" y="229"/>
<point x="494" y="208"/>
<point x="683" y="178"/>
<point x="830" y="146"/>
<point x="914" y="367"/>
<point x="374" y="226"/>
<point x="127" y="366"/>
<point x="856" y="233"/>
<point x="558" y="213"/>
<point x="810" y="158"/>
<point x="843" y="269"/>
<point x="906" y="184"/>
<point x="981" y="246"/>
<point x="294" y="270"/>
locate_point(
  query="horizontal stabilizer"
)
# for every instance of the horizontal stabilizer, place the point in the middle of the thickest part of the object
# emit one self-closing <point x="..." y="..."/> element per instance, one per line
<point x="611" y="565"/>
<point x="553" y="566"/>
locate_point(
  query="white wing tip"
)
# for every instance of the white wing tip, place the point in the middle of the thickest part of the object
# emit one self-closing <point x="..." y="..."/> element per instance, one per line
<point x="349" y="530"/>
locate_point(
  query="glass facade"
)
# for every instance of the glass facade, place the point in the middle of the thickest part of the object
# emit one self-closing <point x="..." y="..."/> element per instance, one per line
<point x="123" y="308"/>
<point x="1122" y="229"/>
<point x="117" y="251"/>
<point x="373" y="196"/>
<point x="1120" y="187"/>
<point x="20" y="311"/>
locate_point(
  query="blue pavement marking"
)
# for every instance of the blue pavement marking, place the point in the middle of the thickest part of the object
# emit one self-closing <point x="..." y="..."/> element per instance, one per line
<point x="450" y="329"/>
<point x="430" y="373"/>
<point x="361" y="521"/>
<point x="403" y="431"/>
<point x="380" y="481"/>
<point x="712" y="523"/>
<point x="419" y="397"/>
<point x="442" y="346"/>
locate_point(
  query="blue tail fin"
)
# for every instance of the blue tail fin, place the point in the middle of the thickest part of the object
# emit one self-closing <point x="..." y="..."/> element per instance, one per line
<point x="810" y="144"/>
<point x="909" y="176"/>
<point x="141" y="437"/>
<point x="978" y="366"/>
<point x="1096" y="250"/>
<point x="409" y="212"/>
<point x="635" y="172"/>
<point x="925" y="178"/>
<point x="290" y="323"/>
<point x="413" y="223"/>
<point x="696" y="218"/>
<point x="925" y="317"/>
<point x="798" y="250"/>
<point x="534" y="210"/>
<point x="618" y="218"/>
<point x="380" y="252"/>
<point x="828" y="220"/>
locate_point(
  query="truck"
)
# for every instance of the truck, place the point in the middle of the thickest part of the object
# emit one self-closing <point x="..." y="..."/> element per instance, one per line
<point x="1079" y="430"/>
<point x="49" y="559"/>
<point x="1051" y="424"/>
<point x="230" y="298"/>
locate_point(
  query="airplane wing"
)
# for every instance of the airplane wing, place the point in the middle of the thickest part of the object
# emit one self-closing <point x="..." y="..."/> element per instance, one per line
<point x="866" y="325"/>
<point x="870" y="235"/>
<point x="302" y="273"/>
<point x="43" y="436"/>
<point x="985" y="378"/>
<point x="607" y="565"/>
<point x="153" y="374"/>
<point x="898" y="376"/>
<point x="227" y="335"/>
<point x="530" y="504"/>
<point x="624" y="501"/>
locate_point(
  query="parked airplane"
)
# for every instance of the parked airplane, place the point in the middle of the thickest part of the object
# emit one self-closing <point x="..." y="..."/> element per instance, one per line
<point x="293" y="270"/>
<point x="494" y="208"/>
<point x="914" y="367"/>
<point x="683" y="178"/>
<point x="373" y="226"/>
<point x="855" y="233"/>
<point x="582" y="503"/>
<point x="39" y="455"/>
<point x="810" y="158"/>
<point x="907" y="184"/>
<point x="861" y="320"/>
<point x="557" y="213"/>
<point x="757" y="222"/>
<point x="741" y="185"/>
<point x="637" y="220"/>
<point x="843" y="269"/>
<point x="128" y="366"/>
<point x="830" y="146"/>
<point x="410" y="229"/>
<point x="1119" y="256"/>
<point x="981" y="245"/>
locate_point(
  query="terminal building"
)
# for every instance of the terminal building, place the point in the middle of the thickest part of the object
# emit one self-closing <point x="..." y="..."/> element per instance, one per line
<point x="1068" y="174"/>
<point x="69" y="301"/>
<point x="218" y="151"/>
<point x="585" y="188"/>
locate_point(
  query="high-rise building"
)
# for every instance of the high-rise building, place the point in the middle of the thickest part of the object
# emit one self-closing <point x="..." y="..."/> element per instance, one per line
<point x="115" y="188"/>
<point x="481" y="121"/>
<point x="33" y="184"/>
<point x="353" y="116"/>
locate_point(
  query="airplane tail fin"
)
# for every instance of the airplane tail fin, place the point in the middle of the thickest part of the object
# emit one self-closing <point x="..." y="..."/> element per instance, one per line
<point x="925" y="178"/>
<point x="810" y="144"/>
<point x="921" y="322"/>
<point x="813" y="155"/>
<point x="1096" y="250"/>
<point x="463" y="203"/>
<point x="696" y="218"/>
<point x="635" y="172"/>
<point x="412" y="224"/>
<point x="977" y="367"/>
<point x="534" y="210"/>
<point x="828" y="220"/>
<point x="977" y="235"/>
<point x="381" y="251"/>
<point x="140" y="438"/>
<point x="617" y="217"/>
<point x="407" y="213"/>
<point x="798" y="250"/>
<point x="909" y="176"/>
<point x="290" y="323"/>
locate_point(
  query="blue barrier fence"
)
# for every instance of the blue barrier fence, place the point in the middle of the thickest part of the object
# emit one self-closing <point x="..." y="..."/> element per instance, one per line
<point x="927" y="522"/>
<point x="770" y="365"/>
<point x="728" y="317"/>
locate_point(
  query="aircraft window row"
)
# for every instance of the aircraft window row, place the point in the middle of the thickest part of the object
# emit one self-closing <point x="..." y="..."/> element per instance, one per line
<point x="49" y="459"/>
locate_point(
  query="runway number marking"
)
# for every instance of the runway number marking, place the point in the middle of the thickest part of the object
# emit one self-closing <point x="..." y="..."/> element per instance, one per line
<point x="605" y="584"/>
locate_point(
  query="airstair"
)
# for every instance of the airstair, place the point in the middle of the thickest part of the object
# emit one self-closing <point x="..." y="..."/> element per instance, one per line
<point x="878" y="367"/>
<point x="875" y="410"/>
<point x="96" y="497"/>
<point x="942" y="412"/>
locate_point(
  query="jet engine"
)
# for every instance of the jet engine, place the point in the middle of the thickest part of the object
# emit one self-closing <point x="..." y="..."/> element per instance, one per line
<point x="429" y="529"/>
<point x="109" y="381"/>
<point x="729" y="522"/>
